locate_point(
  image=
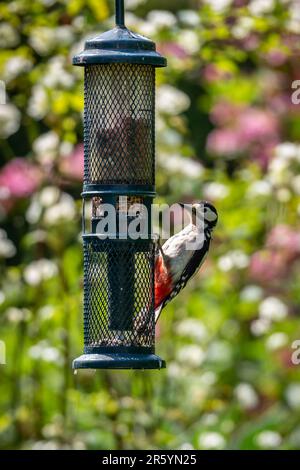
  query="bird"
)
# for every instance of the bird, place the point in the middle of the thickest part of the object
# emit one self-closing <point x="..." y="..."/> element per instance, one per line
<point x="181" y="256"/>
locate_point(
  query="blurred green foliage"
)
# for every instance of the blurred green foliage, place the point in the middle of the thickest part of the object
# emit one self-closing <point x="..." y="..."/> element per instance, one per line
<point x="227" y="131"/>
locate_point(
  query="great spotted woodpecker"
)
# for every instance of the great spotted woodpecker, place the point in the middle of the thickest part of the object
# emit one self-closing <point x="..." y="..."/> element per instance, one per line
<point x="182" y="255"/>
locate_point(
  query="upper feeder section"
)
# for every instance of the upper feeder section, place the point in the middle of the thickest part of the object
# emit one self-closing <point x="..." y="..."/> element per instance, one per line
<point x="120" y="45"/>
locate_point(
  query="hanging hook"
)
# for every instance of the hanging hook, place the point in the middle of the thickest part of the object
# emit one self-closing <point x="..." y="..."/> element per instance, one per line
<point x="120" y="13"/>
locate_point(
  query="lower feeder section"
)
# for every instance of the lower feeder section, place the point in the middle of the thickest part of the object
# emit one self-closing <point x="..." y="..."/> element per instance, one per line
<point x="119" y="320"/>
<point x="119" y="359"/>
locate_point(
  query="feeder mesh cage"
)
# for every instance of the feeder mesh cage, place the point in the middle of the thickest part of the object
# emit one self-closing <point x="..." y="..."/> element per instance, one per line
<point x="119" y="124"/>
<point x="118" y="293"/>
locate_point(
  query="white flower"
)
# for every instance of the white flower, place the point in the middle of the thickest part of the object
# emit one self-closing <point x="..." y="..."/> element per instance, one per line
<point x="233" y="259"/>
<point x="34" y="210"/>
<point x="219" y="5"/>
<point x="283" y="195"/>
<point x="268" y="439"/>
<point x="7" y="248"/>
<point x="208" y="379"/>
<point x="260" y="327"/>
<point x="175" y="370"/>
<point x="161" y="19"/>
<point x="259" y="188"/>
<point x="292" y="395"/>
<point x="189" y="41"/>
<point x="63" y="210"/>
<point x="294" y="23"/>
<point x="186" y="446"/>
<point x="38" y="271"/>
<point x="295" y="183"/>
<point x="277" y="341"/>
<point x="246" y="396"/>
<point x="279" y="172"/>
<point x="243" y="27"/>
<point x="225" y="263"/>
<point x="43" y="39"/>
<point x="16" y="315"/>
<point x="215" y="191"/>
<point x="9" y="36"/>
<point x="171" y="138"/>
<point x="65" y="148"/>
<point x="192" y="328"/>
<point x="189" y="17"/>
<point x="273" y="309"/>
<point x="191" y="355"/>
<point x="177" y="164"/>
<point x="38" y="236"/>
<point x="38" y="103"/>
<point x="239" y="258"/>
<point x="287" y="151"/>
<point x="56" y="75"/>
<point x="146" y="28"/>
<point x="42" y="351"/>
<point x="172" y="101"/>
<point x="10" y="118"/>
<point x="49" y="196"/>
<point x="46" y="312"/>
<point x="259" y="7"/>
<point x="4" y="193"/>
<point x="46" y="146"/>
<point x="251" y="293"/>
<point x="16" y="66"/>
<point x="219" y="351"/>
<point x="132" y="4"/>
<point x="47" y="445"/>
<point x="211" y="441"/>
<point x="209" y="419"/>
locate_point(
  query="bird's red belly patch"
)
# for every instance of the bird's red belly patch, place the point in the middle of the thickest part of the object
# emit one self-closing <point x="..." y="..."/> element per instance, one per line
<point x="163" y="283"/>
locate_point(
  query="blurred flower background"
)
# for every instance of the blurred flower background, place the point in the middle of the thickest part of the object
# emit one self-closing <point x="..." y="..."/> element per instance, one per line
<point x="227" y="130"/>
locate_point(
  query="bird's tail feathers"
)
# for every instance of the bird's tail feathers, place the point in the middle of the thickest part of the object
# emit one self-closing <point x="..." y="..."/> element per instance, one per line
<point x="158" y="312"/>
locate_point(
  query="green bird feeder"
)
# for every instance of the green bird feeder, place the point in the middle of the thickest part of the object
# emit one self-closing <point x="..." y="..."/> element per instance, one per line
<point x="119" y="172"/>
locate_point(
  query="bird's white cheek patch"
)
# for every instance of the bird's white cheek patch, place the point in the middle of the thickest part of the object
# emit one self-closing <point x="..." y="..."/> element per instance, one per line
<point x="210" y="216"/>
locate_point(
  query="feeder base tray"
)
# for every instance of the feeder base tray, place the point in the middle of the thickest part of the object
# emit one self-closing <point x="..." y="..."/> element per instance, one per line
<point x="119" y="361"/>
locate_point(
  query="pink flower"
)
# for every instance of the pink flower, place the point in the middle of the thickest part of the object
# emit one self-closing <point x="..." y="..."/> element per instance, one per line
<point x="72" y="165"/>
<point x="267" y="266"/>
<point x="212" y="73"/>
<point x="281" y="103"/>
<point x="257" y="124"/>
<point x="284" y="238"/>
<point x="173" y="49"/>
<point x="20" y="178"/>
<point x="251" y="42"/>
<point x="242" y="128"/>
<point x="263" y="153"/>
<point x="224" y="142"/>
<point x="239" y="3"/>
<point x="276" y="57"/>
<point x="224" y="113"/>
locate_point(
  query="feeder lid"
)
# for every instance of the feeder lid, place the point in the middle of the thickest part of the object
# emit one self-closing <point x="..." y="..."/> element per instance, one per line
<point x="120" y="45"/>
